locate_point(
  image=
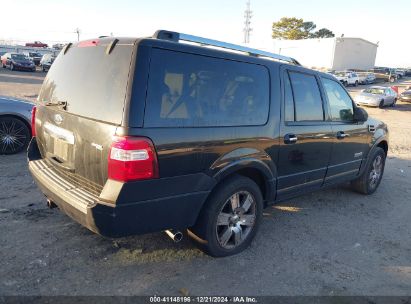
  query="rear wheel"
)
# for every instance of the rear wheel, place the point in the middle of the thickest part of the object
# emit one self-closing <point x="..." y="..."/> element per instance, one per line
<point x="369" y="181"/>
<point x="230" y="219"/>
<point x="381" y="105"/>
<point x="394" y="102"/>
<point x="392" y="79"/>
<point x="14" y="135"/>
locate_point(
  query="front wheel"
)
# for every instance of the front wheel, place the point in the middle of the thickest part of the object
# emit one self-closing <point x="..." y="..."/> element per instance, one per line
<point x="230" y="219"/>
<point x="369" y="181"/>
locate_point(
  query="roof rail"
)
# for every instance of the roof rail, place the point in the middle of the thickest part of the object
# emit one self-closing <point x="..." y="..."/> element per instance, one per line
<point x="176" y="37"/>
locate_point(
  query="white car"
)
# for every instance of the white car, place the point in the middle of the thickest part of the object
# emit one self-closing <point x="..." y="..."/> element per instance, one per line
<point x="348" y="78"/>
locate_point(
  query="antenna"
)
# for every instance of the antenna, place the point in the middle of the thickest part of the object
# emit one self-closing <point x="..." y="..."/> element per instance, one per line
<point x="247" y="22"/>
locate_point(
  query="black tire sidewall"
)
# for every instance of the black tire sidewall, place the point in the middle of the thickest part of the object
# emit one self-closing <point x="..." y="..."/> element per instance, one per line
<point x="205" y="227"/>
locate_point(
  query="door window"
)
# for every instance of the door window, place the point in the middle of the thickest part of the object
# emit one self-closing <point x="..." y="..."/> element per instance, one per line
<point x="307" y="98"/>
<point x="341" y="105"/>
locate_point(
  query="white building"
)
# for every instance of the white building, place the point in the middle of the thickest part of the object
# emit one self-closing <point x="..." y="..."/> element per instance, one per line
<point x="330" y="53"/>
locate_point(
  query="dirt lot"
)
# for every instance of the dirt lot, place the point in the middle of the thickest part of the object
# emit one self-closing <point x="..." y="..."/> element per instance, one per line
<point x="333" y="242"/>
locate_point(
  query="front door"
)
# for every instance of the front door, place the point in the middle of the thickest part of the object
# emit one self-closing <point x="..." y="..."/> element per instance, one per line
<point x="350" y="138"/>
<point x="306" y="136"/>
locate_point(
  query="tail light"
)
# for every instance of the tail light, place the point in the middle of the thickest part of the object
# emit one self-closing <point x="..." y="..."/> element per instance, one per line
<point x="132" y="158"/>
<point x="33" y="121"/>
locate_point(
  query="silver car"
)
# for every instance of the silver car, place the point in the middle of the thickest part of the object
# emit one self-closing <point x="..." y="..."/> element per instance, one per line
<point x="377" y="96"/>
<point x="15" y="124"/>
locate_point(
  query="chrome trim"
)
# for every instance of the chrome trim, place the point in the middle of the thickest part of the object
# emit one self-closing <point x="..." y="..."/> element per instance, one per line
<point x="60" y="133"/>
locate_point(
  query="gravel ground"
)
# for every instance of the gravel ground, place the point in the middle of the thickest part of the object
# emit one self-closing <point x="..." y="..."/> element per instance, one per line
<point x="331" y="242"/>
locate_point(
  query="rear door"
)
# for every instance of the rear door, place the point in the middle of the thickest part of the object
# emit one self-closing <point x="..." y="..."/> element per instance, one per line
<point x="306" y="136"/>
<point x="350" y="138"/>
<point x="81" y="105"/>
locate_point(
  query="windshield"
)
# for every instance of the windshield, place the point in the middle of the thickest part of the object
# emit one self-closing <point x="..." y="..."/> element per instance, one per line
<point x="375" y="91"/>
<point x="18" y="56"/>
<point x="341" y="74"/>
<point x="35" y="55"/>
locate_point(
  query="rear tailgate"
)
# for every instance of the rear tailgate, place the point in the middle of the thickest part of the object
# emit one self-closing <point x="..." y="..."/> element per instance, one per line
<point x="81" y="104"/>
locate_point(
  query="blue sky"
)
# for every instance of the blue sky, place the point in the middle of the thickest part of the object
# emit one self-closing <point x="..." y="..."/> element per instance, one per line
<point x="53" y="21"/>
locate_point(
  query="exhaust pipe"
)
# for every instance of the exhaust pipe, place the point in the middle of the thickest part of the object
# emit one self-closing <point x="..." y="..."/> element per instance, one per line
<point x="175" y="235"/>
<point x="51" y="204"/>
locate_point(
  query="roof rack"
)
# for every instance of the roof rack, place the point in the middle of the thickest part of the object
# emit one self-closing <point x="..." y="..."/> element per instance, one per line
<point x="176" y="37"/>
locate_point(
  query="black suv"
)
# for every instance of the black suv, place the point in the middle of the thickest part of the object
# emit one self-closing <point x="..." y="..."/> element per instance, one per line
<point x="133" y="136"/>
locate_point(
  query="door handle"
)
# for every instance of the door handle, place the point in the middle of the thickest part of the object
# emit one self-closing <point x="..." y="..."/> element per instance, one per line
<point x="290" y="139"/>
<point x="342" y="135"/>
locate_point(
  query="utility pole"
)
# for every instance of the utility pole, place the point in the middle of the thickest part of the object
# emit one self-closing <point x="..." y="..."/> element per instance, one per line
<point x="77" y="31"/>
<point x="247" y="22"/>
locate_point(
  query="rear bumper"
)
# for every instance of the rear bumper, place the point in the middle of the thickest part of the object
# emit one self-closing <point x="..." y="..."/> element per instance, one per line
<point x="115" y="219"/>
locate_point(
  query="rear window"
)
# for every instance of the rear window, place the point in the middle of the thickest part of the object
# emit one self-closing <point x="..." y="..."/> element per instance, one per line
<point x="188" y="90"/>
<point x="92" y="83"/>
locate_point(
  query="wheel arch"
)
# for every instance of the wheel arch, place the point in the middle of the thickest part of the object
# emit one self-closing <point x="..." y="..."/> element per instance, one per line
<point x="263" y="174"/>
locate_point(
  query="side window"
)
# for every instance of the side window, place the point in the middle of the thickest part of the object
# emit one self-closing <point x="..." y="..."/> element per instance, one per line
<point x="307" y="97"/>
<point x="288" y="99"/>
<point x="340" y="103"/>
<point x="187" y="90"/>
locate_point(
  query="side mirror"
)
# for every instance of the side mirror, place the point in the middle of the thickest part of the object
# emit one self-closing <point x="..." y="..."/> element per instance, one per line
<point x="360" y="115"/>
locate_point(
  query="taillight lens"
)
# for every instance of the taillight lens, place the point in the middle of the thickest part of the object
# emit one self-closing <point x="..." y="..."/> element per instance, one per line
<point x="33" y="121"/>
<point x="132" y="158"/>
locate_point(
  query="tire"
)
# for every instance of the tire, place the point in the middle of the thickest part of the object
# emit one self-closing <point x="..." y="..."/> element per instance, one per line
<point x="394" y="103"/>
<point x="220" y="228"/>
<point x="11" y="67"/>
<point x="392" y="79"/>
<point x="14" y="135"/>
<point x="345" y="83"/>
<point x="369" y="181"/>
<point x="356" y="83"/>
<point x="381" y="105"/>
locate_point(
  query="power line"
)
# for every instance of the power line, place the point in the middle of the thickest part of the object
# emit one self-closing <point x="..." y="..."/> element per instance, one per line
<point x="248" y="13"/>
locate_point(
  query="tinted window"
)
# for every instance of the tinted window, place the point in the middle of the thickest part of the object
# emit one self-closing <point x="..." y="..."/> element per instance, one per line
<point x="288" y="99"/>
<point x="340" y="103"/>
<point x="93" y="83"/>
<point x="188" y="90"/>
<point x="307" y="97"/>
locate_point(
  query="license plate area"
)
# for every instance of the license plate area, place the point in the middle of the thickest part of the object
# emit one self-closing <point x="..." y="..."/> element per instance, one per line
<point x="60" y="145"/>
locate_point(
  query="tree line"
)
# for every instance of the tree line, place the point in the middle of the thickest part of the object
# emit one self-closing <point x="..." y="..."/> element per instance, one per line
<point x="292" y="28"/>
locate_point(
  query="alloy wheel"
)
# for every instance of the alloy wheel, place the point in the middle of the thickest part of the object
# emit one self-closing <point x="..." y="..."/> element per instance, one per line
<point x="13" y="136"/>
<point x="376" y="172"/>
<point x="236" y="219"/>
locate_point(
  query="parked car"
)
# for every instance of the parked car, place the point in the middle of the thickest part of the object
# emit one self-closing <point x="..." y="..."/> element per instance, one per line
<point x="15" y="61"/>
<point x="400" y="73"/>
<point x="187" y="136"/>
<point x="15" y="122"/>
<point x="46" y="62"/>
<point x="406" y="95"/>
<point x="408" y="72"/>
<point x="58" y="46"/>
<point x="37" y="44"/>
<point x="366" y="78"/>
<point x="377" y="96"/>
<point x="385" y="74"/>
<point x="347" y="78"/>
<point x="34" y="56"/>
